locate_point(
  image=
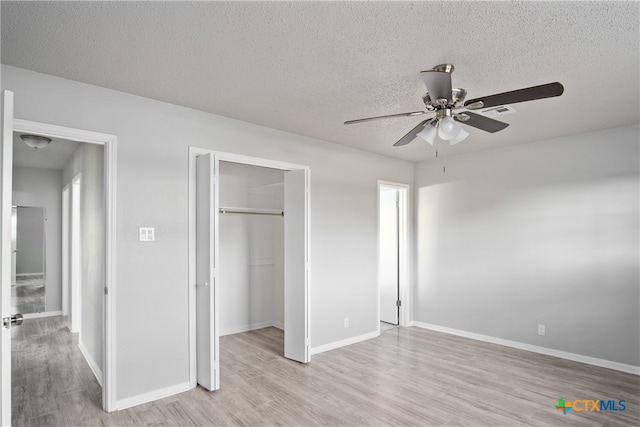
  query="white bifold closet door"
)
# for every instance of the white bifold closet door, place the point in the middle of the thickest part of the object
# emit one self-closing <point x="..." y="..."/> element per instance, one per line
<point x="296" y="265"/>
<point x="207" y="337"/>
<point x="296" y="268"/>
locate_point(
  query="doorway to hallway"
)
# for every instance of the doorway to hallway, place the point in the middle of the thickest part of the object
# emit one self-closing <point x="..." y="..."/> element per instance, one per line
<point x="12" y="130"/>
<point x="392" y="252"/>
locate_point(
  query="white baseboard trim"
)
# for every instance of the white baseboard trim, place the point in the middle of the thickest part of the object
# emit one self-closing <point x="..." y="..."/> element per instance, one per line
<point x="152" y="395"/>
<point x="252" y="327"/>
<point x="91" y="362"/>
<point x="29" y="274"/>
<point x="630" y="369"/>
<point x="43" y="314"/>
<point x="278" y="325"/>
<point x="343" y="343"/>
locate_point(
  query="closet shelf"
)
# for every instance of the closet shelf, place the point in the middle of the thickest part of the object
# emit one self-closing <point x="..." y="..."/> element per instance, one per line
<point x="251" y="211"/>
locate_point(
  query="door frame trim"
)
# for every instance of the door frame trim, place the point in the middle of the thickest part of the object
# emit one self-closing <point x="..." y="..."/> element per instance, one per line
<point x="247" y="160"/>
<point x="405" y="264"/>
<point x="65" y="214"/>
<point x="109" y="305"/>
<point x="75" y="240"/>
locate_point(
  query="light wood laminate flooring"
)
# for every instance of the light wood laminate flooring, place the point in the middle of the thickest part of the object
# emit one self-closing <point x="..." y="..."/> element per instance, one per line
<point x="407" y="376"/>
<point x="28" y="295"/>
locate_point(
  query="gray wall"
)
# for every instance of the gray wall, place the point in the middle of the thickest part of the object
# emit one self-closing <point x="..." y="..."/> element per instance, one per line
<point x="152" y="190"/>
<point x="30" y="240"/>
<point x="88" y="159"/>
<point x="538" y="233"/>
<point x="43" y="187"/>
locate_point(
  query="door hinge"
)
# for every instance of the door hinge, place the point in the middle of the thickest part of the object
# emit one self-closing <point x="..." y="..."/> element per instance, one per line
<point x="106" y="291"/>
<point x="398" y="303"/>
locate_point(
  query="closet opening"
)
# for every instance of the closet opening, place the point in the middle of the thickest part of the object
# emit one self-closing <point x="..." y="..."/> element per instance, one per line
<point x="249" y="264"/>
<point x="251" y="256"/>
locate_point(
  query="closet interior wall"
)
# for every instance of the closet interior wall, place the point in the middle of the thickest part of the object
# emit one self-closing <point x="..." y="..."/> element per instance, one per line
<point x="251" y="272"/>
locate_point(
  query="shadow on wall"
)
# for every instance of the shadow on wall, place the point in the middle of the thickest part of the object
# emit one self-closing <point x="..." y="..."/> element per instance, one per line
<point x="497" y="257"/>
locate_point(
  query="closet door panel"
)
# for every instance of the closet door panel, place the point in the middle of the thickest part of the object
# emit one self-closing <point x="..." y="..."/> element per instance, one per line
<point x="206" y="337"/>
<point x="296" y="286"/>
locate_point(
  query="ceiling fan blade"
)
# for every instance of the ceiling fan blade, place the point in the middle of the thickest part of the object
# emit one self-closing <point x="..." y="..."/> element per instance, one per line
<point x="521" y="95"/>
<point x="483" y="123"/>
<point x="412" y="134"/>
<point x="413" y="113"/>
<point x="438" y="84"/>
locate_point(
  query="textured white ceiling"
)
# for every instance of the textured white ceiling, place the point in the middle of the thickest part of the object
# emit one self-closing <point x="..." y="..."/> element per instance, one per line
<point x="306" y="67"/>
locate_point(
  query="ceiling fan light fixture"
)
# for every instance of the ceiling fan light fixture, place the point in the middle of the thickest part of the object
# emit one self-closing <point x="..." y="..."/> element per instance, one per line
<point x="443" y="100"/>
<point x="35" y="141"/>
<point x="428" y="133"/>
<point x="448" y="128"/>
<point x="461" y="136"/>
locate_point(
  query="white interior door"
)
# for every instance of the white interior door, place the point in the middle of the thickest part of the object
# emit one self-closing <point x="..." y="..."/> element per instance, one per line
<point x="5" y="264"/>
<point x="296" y="265"/>
<point x="207" y="352"/>
<point x="388" y="246"/>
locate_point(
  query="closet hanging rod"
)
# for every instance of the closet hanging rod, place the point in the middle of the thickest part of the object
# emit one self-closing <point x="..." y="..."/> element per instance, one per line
<point x="251" y="211"/>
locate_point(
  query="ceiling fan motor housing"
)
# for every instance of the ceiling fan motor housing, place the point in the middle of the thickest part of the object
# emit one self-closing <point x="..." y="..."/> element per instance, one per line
<point x="456" y="101"/>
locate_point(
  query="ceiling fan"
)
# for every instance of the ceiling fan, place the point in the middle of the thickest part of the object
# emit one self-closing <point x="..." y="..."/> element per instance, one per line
<point x="444" y="101"/>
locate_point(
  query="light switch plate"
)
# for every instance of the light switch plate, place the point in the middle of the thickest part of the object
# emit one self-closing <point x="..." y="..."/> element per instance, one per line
<point x="147" y="234"/>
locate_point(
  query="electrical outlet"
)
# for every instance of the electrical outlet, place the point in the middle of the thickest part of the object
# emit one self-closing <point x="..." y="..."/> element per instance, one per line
<point x="346" y="322"/>
<point x="541" y="330"/>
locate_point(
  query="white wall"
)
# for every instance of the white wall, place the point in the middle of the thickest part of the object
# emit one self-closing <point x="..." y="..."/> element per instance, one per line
<point x="251" y="285"/>
<point x="538" y="233"/>
<point x="88" y="159"/>
<point x="43" y="187"/>
<point x="152" y="181"/>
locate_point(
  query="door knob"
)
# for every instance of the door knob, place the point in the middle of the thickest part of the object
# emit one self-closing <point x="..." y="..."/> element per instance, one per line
<point x="15" y="320"/>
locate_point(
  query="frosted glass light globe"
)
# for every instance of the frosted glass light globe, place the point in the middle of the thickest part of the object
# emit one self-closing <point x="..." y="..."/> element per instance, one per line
<point x="461" y="136"/>
<point x="448" y="128"/>
<point x="428" y="134"/>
